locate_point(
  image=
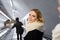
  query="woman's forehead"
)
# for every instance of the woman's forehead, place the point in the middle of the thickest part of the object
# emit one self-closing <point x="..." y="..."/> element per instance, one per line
<point x="31" y="12"/>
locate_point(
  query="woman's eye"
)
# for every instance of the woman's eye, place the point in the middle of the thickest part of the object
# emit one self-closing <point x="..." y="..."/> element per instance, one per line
<point x="33" y="15"/>
<point x="29" y="14"/>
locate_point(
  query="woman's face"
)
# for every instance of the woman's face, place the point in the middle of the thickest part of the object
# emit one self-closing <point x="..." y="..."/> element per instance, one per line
<point x="32" y="16"/>
<point x="58" y="7"/>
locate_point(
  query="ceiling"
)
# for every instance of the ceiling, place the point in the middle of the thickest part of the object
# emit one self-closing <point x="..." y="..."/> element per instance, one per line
<point x="13" y="9"/>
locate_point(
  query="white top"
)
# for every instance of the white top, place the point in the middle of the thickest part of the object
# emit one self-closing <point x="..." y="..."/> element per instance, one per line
<point x="56" y="32"/>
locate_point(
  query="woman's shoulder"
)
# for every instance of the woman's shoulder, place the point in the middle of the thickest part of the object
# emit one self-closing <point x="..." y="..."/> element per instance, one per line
<point x="35" y="31"/>
<point x="57" y="28"/>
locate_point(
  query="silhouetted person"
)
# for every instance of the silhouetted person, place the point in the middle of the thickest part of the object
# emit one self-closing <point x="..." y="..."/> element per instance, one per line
<point x="19" y="28"/>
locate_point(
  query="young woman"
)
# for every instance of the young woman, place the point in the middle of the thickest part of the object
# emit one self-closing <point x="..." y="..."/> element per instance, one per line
<point x="34" y="27"/>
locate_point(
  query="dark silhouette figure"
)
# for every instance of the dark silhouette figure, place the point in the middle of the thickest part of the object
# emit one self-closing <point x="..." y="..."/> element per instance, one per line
<point x="19" y="28"/>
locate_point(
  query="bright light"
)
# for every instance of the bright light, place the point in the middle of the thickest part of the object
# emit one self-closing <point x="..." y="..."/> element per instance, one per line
<point x="4" y="15"/>
<point x="11" y="3"/>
